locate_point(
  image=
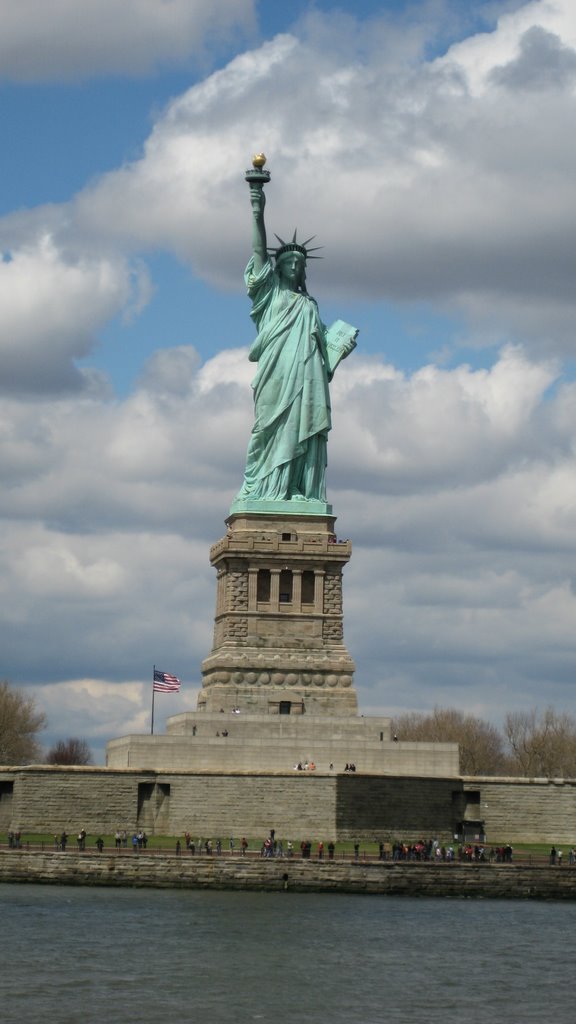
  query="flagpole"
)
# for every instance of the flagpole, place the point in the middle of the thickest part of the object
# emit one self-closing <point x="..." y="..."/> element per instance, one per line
<point x="152" y="718"/>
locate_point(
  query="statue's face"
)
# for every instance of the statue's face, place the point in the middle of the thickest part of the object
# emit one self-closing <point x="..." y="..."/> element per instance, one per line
<point x="290" y="267"/>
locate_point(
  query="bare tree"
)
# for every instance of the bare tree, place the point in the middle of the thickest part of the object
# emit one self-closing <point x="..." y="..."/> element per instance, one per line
<point x="542" y="744"/>
<point x="480" y="744"/>
<point x="533" y="744"/>
<point x="71" y="751"/>
<point x="20" y="724"/>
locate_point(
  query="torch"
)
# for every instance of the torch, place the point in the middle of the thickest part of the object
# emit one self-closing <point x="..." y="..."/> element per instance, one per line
<point x="256" y="175"/>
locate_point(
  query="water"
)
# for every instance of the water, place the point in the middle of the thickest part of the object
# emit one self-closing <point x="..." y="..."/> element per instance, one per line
<point x="149" y="956"/>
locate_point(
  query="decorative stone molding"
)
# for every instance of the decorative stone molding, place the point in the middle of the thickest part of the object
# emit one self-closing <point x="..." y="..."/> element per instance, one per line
<point x="303" y="680"/>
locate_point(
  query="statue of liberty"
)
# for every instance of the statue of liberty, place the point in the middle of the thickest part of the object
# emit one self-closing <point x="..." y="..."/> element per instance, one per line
<point x="296" y="356"/>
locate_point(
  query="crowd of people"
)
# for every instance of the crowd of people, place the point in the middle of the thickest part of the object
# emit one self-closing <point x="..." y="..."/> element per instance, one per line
<point x="270" y="847"/>
<point x="430" y="850"/>
<point x="310" y="766"/>
<point x="556" y="856"/>
<point x="208" y="847"/>
<point x="138" y="840"/>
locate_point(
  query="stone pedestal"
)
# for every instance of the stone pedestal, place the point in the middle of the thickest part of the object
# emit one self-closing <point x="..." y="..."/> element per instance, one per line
<point x="278" y="633"/>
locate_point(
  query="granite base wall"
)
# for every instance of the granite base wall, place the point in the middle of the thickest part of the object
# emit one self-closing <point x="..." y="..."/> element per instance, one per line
<point x="103" y="800"/>
<point x="529" y="810"/>
<point x="297" y="804"/>
<point x="373" y="807"/>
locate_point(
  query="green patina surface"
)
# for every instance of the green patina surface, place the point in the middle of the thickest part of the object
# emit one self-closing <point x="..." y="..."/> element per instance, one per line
<point x="296" y="356"/>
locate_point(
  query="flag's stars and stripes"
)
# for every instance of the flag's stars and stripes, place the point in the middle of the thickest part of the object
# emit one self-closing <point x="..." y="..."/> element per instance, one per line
<point x="164" y="682"/>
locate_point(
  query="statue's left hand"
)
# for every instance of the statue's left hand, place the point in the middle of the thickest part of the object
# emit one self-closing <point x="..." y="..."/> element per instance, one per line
<point x="350" y="345"/>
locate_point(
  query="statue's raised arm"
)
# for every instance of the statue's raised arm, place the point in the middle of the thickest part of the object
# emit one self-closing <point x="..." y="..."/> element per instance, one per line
<point x="297" y="356"/>
<point x="259" y="244"/>
<point x="257" y="178"/>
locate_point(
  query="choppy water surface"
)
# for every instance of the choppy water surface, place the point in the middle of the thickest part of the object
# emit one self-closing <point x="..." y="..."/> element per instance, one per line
<point x="95" y="955"/>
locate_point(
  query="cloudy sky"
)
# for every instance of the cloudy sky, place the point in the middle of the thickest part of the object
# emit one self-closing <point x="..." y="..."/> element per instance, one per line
<point x="431" y="148"/>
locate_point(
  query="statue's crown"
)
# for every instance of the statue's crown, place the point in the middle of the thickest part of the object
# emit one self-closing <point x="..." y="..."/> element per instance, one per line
<point x="295" y="246"/>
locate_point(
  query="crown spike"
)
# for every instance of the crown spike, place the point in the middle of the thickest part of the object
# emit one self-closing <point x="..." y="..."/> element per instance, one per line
<point x="295" y="246"/>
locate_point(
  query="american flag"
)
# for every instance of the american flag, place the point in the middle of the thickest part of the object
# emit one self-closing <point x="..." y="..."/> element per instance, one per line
<point x="165" y="683"/>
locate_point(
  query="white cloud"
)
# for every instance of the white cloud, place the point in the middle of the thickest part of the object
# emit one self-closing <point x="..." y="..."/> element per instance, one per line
<point x="96" y="709"/>
<point x="52" y="304"/>
<point x="56" y="39"/>
<point x="53" y="569"/>
<point x="439" y="428"/>
<point x="480" y="56"/>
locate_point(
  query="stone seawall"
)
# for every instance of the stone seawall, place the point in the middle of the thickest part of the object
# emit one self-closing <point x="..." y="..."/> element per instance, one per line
<point x="505" y="881"/>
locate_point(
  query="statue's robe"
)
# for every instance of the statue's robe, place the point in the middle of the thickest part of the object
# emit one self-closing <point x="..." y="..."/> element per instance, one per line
<point x="287" y="451"/>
